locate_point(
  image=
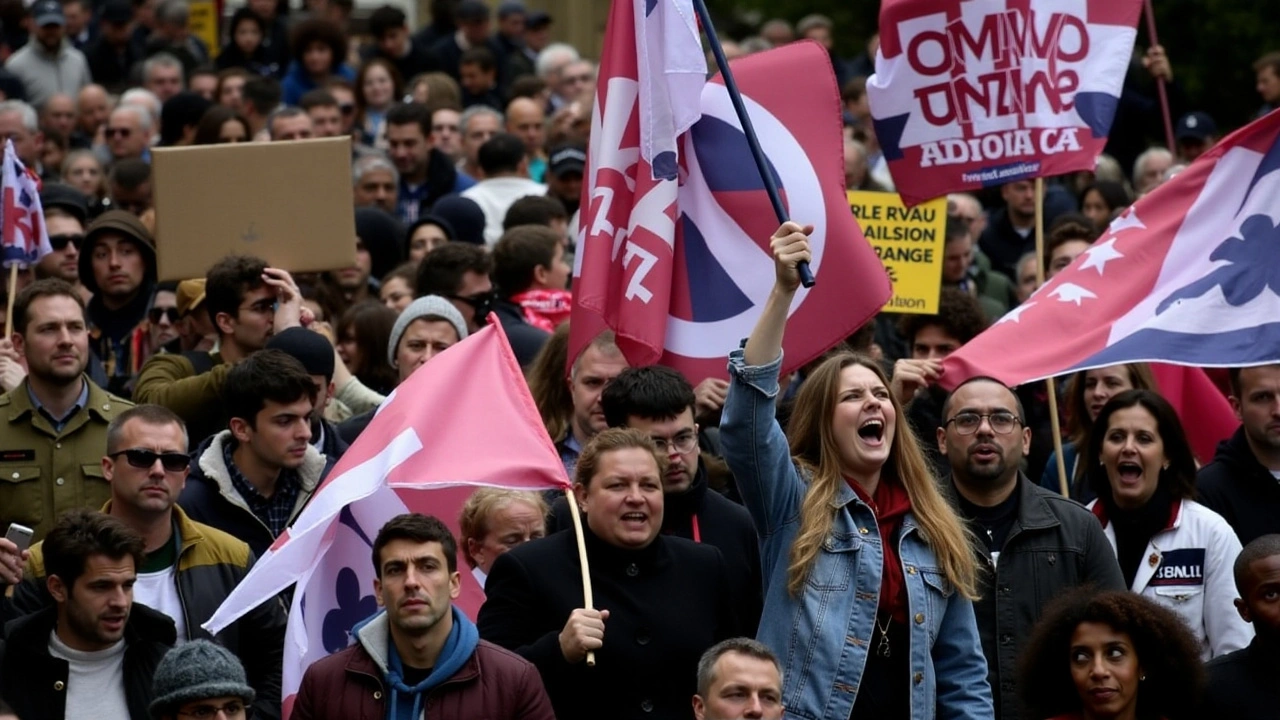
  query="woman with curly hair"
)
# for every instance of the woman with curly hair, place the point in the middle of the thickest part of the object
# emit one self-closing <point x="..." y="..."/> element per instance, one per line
<point x="1086" y="393"/>
<point x="869" y="575"/>
<point x="319" y="52"/>
<point x="1110" y="656"/>
<point x="1172" y="550"/>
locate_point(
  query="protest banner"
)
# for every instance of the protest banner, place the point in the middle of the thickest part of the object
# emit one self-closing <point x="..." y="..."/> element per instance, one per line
<point x="288" y="203"/>
<point x="910" y="242"/>
<point x="985" y="92"/>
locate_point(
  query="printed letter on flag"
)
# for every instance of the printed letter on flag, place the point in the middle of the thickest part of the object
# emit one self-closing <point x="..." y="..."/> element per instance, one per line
<point x="975" y="93"/>
<point x="462" y="421"/>
<point x="688" y="299"/>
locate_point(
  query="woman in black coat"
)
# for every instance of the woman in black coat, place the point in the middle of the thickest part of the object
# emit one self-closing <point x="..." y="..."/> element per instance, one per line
<point x="662" y="601"/>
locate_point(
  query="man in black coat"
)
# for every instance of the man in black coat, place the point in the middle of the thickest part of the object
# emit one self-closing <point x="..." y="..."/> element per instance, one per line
<point x="1241" y="483"/>
<point x="660" y="402"/>
<point x="662" y="600"/>
<point x="1242" y="684"/>
<point x="92" y="561"/>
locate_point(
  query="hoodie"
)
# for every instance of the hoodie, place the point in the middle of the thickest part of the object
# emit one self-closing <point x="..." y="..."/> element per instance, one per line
<point x="1240" y="489"/>
<point x="405" y="702"/>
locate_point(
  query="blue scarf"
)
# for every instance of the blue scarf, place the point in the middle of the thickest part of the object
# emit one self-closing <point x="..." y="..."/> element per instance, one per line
<point x="462" y="642"/>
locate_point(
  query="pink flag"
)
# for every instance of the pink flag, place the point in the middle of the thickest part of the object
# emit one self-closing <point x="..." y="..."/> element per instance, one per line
<point x="680" y="269"/>
<point x="465" y="420"/>
<point x="974" y="93"/>
<point x="25" y="239"/>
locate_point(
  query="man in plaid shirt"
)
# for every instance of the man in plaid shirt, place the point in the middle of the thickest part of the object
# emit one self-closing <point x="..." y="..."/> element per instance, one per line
<point x="252" y="479"/>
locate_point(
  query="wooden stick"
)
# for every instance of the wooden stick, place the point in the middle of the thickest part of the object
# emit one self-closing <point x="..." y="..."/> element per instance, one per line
<point x="587" y="601"/>
<point x="1063" y="485"/>
<point x="13" y="292"/>
<point x="1161" y="92"/>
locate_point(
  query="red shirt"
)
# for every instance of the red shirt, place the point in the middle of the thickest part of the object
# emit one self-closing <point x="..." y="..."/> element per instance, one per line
<point x="890" y="504"/>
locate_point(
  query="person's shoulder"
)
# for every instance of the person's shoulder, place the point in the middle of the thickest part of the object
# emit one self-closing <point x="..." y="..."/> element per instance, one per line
<point x="725" y="508"/>
<point x="495" y="659"/>
<point x="1227" y="665"/>
<point x="331" y="667"/>
<point x="688" y="553"/>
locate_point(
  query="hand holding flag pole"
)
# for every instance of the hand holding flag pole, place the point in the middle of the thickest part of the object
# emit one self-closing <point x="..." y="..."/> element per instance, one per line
<point x="735" y="96"/>
<point x="1163" y="94"/>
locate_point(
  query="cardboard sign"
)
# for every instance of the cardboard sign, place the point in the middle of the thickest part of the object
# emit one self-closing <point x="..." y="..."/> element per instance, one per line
<point x="909" y="241"/>
<point x="288" y="203"/>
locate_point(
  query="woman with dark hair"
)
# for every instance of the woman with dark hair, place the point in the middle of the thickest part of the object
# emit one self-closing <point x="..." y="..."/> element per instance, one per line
<point x="1100" y="201"/>
<point x="319" y="52"/>
<point x="1086" y="393"/>
<point x="396" y="289"/>
<point x="363" y="335"/>
<point x="221" y="124"/>
<point x="1110" y="656"/>
<point x="426" y="234"/>
<point x="245" y="48"/>
<point x="378" y="87"/>
<point x="869" y="575"/>
<point x="1172" y="550"/>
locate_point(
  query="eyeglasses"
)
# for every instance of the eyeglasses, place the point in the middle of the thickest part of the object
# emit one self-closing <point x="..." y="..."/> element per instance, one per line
<point x="684" y="443"/>
<point x="481" y="302"/>
<point x="122" y="132"/>
<point x="262" y="307"/>
<point x="1002" y="423"/>
<point x="208" y="712"/>
<point x="60" y="242"/>
<point x="156" y="313"/>
<point x="145" y="459"/>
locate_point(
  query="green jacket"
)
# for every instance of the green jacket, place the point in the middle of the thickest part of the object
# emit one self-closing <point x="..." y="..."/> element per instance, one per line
<point x="171" y="381"/>
<point x="43" y="472"/>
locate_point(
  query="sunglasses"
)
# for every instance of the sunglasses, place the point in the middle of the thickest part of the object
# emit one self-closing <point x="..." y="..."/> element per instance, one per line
<point x="481" y="302"/>
<point x="122" y="132"/>
<point x="156" y="313"/>
<point x="60" y="242"/>
<point x="144" y="459"/>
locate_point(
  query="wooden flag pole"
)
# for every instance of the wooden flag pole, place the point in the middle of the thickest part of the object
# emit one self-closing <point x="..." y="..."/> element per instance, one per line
<point x="1063" y="485"/>
<point x="587" y="601"/>
<point x="1161" y="92"/>
<point x="13" y="292"/>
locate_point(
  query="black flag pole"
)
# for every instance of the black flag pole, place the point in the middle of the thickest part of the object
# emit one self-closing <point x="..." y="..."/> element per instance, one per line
<point x="735" y="96"/>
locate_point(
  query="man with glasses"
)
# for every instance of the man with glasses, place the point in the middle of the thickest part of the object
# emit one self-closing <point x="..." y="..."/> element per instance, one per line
<point x="576" y="78"/>
<point x="65" y="212"/>
<point x="660" y="401"/>
<point x="188" y="568"/>
<point x="53" y="425"/>
<point x="460" y="273"/>
<point x="128" y="133"/>
<point x="1034" y="544"/>
<point x="247" y="302"/>
<point x="202" y="681"/>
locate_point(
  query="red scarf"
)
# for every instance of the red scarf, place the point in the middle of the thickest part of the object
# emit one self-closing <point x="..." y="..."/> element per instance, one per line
<point x="545" y="309"/>
<point x="890" y="504"/>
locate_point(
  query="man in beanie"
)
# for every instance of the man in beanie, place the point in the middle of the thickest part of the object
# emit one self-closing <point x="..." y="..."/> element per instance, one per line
<point x="65" y="212"/>
<point x="317" y="357"/>
<point x="198" y="679"/>
<point x="118" y="265"/>
<point x="420" y="656"/>
<point x="427" y="327"/>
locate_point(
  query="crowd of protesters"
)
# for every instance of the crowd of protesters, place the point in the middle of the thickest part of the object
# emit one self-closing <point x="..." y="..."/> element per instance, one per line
<point x="896" y="551"/>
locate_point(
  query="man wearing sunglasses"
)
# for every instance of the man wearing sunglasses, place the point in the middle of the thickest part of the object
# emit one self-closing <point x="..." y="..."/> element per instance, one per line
<point x="189" y="568"/>
<point x="1034" y="544"/>
<point x="65" y="212"/>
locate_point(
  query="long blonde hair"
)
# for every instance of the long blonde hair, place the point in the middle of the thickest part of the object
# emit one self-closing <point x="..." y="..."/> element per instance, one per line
<point x="813" y="446"/>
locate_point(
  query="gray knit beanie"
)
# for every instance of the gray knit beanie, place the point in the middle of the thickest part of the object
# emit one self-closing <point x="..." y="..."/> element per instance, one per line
<point x="432" y="306"/>
<point x="197" y="670"/>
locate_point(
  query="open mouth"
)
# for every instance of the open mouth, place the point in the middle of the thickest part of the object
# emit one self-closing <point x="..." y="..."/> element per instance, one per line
<point x="1129" y="472"/>
<point x="985" y="452"/>
<point x="872" y="431"/>
<point x="634" y="517"/>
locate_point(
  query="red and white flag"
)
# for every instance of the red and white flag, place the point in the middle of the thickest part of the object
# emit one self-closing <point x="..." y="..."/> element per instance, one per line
<point x="463" y="421"/>
<point x="974" y="93"/>
<point x="680" y="269"/>
<point x="25" y="239"/>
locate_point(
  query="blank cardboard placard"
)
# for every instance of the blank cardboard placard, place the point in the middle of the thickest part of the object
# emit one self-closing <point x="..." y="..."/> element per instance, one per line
<point x="288" y="203"/>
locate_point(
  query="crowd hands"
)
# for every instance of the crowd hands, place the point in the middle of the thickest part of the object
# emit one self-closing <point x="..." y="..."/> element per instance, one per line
<point x="161" y="436"/>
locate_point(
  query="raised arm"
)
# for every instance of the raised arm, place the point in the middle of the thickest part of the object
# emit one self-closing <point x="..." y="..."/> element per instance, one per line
<point x="790" y="245"/>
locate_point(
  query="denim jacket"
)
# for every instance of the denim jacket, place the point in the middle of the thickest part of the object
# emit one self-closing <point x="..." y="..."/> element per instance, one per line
<point x="822" y="636"/>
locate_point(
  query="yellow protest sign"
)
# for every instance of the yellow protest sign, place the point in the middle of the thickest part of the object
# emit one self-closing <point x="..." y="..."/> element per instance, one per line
<point x="909" y="241"/>
<point x="203" y="23"/>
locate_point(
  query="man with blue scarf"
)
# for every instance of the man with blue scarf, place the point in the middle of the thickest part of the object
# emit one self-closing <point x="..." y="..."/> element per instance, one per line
<point x="419" y="657"/>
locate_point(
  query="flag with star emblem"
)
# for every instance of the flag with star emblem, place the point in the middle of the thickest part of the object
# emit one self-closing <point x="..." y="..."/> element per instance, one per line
<point x="1189" y="275"/>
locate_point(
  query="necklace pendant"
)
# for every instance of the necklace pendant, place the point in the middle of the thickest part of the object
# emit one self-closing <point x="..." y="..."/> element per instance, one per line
<point x="883" y="648"/>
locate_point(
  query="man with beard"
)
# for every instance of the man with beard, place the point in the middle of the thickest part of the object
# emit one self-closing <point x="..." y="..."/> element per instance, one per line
<point x="94" y="654"/>
<point x="49" y="64"/>
<point x="53" y="425"/>
<point x="118" y="265"/>
<point x="1035" y="544"/>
